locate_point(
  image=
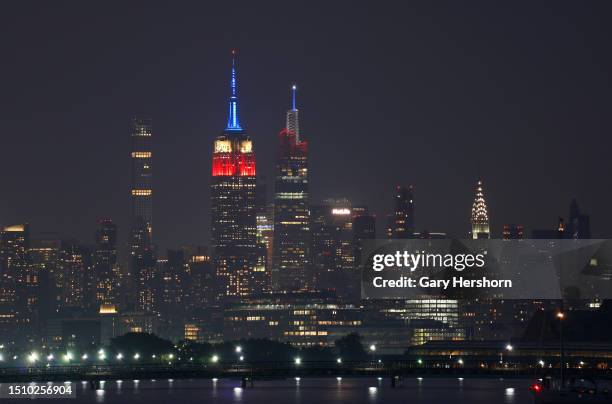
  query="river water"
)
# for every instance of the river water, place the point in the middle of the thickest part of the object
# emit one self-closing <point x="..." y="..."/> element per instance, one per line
<point x="354" y="390"/>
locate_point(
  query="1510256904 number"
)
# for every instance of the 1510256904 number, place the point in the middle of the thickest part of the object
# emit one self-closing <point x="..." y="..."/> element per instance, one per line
<point x="37" y="390"/>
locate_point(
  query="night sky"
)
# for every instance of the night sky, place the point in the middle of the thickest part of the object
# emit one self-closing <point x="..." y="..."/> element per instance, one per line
<point x="427" y="94"/>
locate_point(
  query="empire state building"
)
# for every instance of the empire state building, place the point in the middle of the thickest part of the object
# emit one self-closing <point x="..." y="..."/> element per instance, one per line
<point x="233" y="221"/>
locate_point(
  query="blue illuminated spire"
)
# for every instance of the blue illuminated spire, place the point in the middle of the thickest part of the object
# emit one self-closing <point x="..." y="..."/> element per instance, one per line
<point x="233" y="122"/>
<point x="293" y="121"/>
<point x="293" y="91"/>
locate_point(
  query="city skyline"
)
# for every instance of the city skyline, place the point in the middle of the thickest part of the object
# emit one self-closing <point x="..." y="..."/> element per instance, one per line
<point x="142" y="184"/>
<point x="306" y="202"/>
<point x="183" y="148"/>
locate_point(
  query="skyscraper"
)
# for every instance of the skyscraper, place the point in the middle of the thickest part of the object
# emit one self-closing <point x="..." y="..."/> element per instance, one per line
<point x="364" y="228"/>
<point x="291" y="215"/>
<point x="142" y="260"/>
<point x="233" y="221"/>
<point x="172" y="296"/>
<point x="106" y="271"/>
<point x="142" y="175"/>
<point x="480" y="217"/>
<point x="44" y="258"/>
<point x="18" y="284"/>
<point x="74" y="266"/>
<point x="333" y="248"/>
<point x="403" y="216"/>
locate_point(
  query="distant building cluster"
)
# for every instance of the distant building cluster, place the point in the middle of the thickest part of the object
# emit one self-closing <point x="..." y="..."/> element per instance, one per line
<point x="286" y="269"/>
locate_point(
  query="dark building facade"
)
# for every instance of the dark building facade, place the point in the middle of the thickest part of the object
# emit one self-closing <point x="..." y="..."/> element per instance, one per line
<point x="233" y="221"/>
<point x="44" y="258"/>
<point x="333" y="248"/>
<point x="364" y="228"/>
<point x="107" y="279"/>
<point x="291" y="214"/>
<point x="403" y="215"/>
<point x="18" y="281"/>
<point x="513" y="232"/>
<point x="578" y="224"/>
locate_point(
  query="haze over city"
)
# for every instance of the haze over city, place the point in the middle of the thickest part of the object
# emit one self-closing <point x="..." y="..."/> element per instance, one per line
<point x="433" y="96"/>
<point x="347" y="201"/>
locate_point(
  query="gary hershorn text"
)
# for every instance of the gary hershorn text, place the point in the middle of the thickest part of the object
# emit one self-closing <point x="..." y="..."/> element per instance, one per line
<point x="426" y="282"/>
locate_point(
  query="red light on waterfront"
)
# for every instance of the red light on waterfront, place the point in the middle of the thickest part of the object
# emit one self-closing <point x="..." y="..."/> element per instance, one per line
<point x="536" y="388"/>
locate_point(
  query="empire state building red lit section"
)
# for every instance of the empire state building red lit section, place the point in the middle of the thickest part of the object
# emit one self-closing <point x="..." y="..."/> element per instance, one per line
<point x="233" y="156"/>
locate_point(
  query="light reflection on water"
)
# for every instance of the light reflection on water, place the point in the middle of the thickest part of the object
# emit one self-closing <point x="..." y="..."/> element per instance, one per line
<point x="356" y="390"/>
<point x="237" y="394"/>
<point x="372" y="393"/>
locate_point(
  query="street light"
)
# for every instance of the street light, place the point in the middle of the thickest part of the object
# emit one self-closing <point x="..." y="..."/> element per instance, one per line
<point x="68" y="357"/>
<point x="298" y="361"/>
<point x="136" y="356"/>
<point x="101" y="354"/>
<point x="561" y="316"/>
<point x="339" y="360"/>
<point x="239" y="353"/>
<point x="84" y="357"/>
<point x="509" y="348"/>
<point x="119" y="356"/>
<point x="215" y="358"/>
<point x="50" y="357"/>
<point x="373" y="350"/>
<point x="33" y="357"/>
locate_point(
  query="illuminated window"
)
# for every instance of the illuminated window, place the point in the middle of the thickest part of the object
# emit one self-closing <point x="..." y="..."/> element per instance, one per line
<point x="141" y="155"/>
<point x="141" y="192"/>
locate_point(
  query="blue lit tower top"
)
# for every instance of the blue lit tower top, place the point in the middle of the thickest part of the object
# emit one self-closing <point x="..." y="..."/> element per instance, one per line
<point x="233" y="122"/>
<point x="293" y="123"/>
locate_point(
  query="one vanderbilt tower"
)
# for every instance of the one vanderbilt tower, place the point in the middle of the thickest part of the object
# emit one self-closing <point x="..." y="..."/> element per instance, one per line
<point x="233" y="221"/>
